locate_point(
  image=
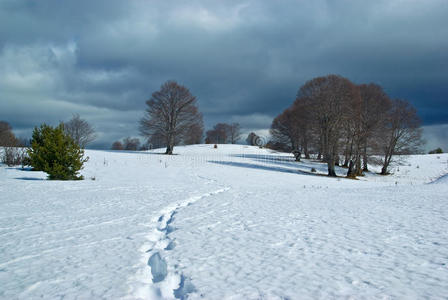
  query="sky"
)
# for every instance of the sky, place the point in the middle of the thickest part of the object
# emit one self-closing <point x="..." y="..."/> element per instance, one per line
<point x="243" y="60"/>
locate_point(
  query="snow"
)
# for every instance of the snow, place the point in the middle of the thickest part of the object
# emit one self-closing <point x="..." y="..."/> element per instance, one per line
<point x="237" y="222"/>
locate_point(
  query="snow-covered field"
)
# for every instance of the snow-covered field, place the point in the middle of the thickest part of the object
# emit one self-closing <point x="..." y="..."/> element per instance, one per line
<point x="235" y="222"/>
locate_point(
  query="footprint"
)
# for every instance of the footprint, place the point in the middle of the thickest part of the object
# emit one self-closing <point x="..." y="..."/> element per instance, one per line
<point x="185" y="287"/>
<point x="170" y="246"/>
<point x="158" y="267"/>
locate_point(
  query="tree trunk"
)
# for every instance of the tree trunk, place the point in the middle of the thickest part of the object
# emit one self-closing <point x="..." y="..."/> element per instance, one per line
<point x="346" y="152"/>
<point x="350" y="153"/>
<point x="331" y="150"/>
<point x="325" y="149"/>
<point x="350" y="172"/>
<point x="305" y="148"/>
<point x="293" y="145"/>
<point x="331" y="171"/>
<point x="346" y="157"/>
<point x="385" y="165"/>
<point x="169" y="149"/>
<point x="358" y="170"/>
<point x="319" y="156"/>
<point x="170" y="146"/>
<point x="365" y="167"/>
<point x="331" y="161"/>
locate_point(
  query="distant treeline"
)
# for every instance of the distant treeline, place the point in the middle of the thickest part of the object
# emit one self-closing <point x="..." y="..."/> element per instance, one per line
<point x="340" y="122"/>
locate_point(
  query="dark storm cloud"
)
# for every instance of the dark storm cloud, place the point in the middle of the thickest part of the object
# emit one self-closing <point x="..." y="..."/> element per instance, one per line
<point x="244" y="60"/>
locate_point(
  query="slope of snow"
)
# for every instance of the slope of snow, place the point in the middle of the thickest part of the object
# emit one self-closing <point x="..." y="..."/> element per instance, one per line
<point x="236" y="222"/>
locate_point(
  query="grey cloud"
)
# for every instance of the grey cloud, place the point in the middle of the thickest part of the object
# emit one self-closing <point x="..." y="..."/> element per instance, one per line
<point x="436" y="136"/>
<point x="242" y="59"/>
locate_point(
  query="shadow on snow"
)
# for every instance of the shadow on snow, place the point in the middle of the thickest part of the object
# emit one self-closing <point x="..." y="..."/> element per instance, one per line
<point x="261" y="167"/>
<point x="28" y="178"/>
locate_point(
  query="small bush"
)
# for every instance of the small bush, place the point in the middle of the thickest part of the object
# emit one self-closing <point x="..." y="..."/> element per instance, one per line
<point x="215" y="146"/>
<point x="13" y="156"/>
<point x="56" y="153"/>
<point x="313" y="170"/>
<point x="26" y="161"/>
<point x="436" y="151"/>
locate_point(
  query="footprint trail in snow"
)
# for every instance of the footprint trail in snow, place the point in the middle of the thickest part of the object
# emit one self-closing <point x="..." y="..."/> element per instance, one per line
<point x="159" y="278"/>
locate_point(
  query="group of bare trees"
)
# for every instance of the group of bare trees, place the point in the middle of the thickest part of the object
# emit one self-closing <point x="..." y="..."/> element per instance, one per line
<point x="172" y="117"/>
<point x="11" y="152"/>
<point x="223" y="133"/>
<point x="80" y="131"/>
<point x="346" y="124"/>
<point x="130" y="144"/>
<point x="14" y="149"/>
<point x="7" y="137"/>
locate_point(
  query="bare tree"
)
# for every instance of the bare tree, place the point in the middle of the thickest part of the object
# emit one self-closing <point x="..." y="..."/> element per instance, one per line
<point x="171" y="112"/>
<point x="146" y="146"/>
<point x="291" y="127"/>
<point x="7" y="137"/>
<point x="13" y="152"/>
<point x="301" y="109"/>
<point x="217" y="135"/>
<point x="194" y="134"/>
<point x="234" y="133"/>
<point x="128" y="143"/>
<point x="214" y="136"/>
<point x="157" y="140"/>
<point x="352" y="133"/>
<point x="80" y="131"/>
<point x="364" y="119"/>
<point x="285" y="129"/>
<point x="131" y="144"/>
<point x="331" y="97"/>
<point x="402" y="134"/>
<point x="117" y="145"/>
<point x="375" y="104"/>
<point x="278" y="146"/>
<point x="223" y="133"/>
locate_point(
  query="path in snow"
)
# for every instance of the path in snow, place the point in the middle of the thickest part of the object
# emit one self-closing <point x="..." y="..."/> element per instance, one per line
<point x="163" y="279"/>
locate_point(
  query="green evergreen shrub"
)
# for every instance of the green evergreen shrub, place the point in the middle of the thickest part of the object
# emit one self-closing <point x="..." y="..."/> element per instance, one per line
<point x="436" y="151"/>
<point x="56" y="153"/>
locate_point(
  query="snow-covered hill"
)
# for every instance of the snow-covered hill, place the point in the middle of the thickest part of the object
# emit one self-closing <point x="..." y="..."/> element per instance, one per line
<point x="236" y="222"/>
